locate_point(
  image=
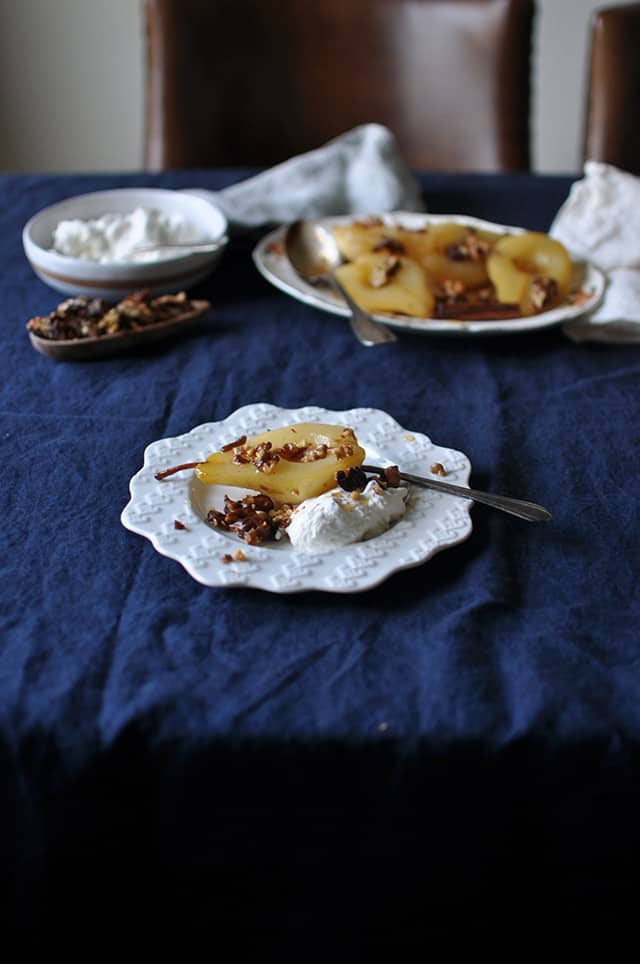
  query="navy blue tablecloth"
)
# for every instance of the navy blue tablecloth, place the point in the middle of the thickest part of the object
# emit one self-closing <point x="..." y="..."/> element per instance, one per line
<point x="462" y="738"/>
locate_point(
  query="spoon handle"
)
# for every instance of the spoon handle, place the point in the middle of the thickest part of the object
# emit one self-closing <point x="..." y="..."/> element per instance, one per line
<point x="523" y="510"/>
<point x="195" y="246"/>
<point x="367" y="331"/>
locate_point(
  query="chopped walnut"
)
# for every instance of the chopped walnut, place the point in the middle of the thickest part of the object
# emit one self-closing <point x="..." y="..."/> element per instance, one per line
<point x="291" y="452"/>
<point x="83" y="317"/>
<point x="316" y="452"/>
<point x="392" y="245"/>
<point x="453" y="290"/>
<point x="281" y="515"/>
<point x="438" y="469"/>
<point x="391" y="476"/>
<point x="134" y="311"/>
<point x="345" y="449"/>
<point x="263" y="456"/>
<point x="381" y="274"/>
<point x="110" y="322"/>
<point x="485" y="294"/>
<point x="163" y="301"/>
<point x="469" y="248"/>
<point x="254" y="518"/>
<point x="342" y="451"/>
<point x="542" y="291"/>
<point x="73" y="318"/>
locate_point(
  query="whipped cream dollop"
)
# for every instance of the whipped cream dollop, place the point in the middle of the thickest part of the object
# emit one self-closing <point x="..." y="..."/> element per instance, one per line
<point x="337" y="518"/>
<point x="114" y="237"/>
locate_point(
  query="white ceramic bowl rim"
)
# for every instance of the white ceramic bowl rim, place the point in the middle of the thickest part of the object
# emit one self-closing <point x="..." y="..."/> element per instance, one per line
<point x="206" y="216"/>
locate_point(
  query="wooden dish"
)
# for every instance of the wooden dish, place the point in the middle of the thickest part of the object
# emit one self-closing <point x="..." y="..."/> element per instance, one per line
<point x="87" y="349"/>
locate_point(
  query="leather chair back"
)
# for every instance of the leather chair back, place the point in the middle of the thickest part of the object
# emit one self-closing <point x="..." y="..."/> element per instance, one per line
<point x="252" y="82"/>
<point x="612" y="133"/>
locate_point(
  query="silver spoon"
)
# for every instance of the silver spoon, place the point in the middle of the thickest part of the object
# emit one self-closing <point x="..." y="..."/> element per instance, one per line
<point x="523" y="510"/>
<point x="182" y="246"/>
<point x="314" y="254"/>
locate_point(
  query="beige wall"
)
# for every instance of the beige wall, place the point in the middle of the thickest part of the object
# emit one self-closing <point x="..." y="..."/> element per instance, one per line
<point x="71" y="84"/>
<point x="561" y="48"/>
<point x="71" y="95"/>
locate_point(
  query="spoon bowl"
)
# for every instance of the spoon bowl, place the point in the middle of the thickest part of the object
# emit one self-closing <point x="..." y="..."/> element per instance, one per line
<point x="312" y="250"/>
<point x="314" y="254"/>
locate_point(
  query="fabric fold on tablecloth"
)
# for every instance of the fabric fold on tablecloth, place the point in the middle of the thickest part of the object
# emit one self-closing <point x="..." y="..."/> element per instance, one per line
<point x="600" y="222"/>
<point x="361" y="172"/>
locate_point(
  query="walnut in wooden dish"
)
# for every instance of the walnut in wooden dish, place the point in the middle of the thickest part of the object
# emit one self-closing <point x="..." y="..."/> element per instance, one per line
<point x="83" y="317"/>
<point x="86" y="329"/>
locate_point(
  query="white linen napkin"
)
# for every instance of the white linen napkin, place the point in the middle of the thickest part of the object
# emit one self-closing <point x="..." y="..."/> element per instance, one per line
<point x="360" y="172"/>
<point x="600" y="222"/>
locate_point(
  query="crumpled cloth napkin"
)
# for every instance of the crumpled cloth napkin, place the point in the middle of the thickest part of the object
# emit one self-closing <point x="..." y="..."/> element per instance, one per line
<point x="360" y="172"/>
<point x="600" y="222"/>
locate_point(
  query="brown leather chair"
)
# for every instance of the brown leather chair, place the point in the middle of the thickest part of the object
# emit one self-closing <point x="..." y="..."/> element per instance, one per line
<point x="611" y="131"/>
<point x="252" y="82"/>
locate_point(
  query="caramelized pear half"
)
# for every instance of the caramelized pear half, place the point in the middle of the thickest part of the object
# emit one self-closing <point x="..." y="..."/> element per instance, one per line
<point x="439" y="268"/>
<point x="367" y="237"/>
<point x="458" y="253"/>
<point x="361" y="237"/>
<point x="382" y="282"/>
<point x="518" y="259"/>
<point x="289" y="464"/>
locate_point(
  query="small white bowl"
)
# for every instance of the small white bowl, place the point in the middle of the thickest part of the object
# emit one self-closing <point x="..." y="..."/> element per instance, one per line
<point x="75" y="276"/>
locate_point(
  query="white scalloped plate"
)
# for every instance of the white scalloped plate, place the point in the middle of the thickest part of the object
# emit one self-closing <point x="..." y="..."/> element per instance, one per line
<point x="432" y="521"/>
<point x="273" y="264"/>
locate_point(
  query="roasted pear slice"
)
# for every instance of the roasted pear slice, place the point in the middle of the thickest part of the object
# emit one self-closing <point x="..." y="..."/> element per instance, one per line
<point x="289" y="464"/>
<point x="387" y="282"/>
<point x="361" y="237"/>
<point x="510" y="279"/>
<point x="366" y="237"/>
<point x="458" y="253"/>
<point x="439" y="268"/>
<point x="517" y="262"/>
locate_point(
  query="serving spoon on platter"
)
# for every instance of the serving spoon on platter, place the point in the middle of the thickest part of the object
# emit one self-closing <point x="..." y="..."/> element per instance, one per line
<point x="314" y="255"/>
<point x="523" y="510"/>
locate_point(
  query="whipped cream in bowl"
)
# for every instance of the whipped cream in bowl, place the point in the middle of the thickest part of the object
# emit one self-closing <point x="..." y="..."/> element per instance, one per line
<point x="85" y="245"/>
<point x="115" y="237"/>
